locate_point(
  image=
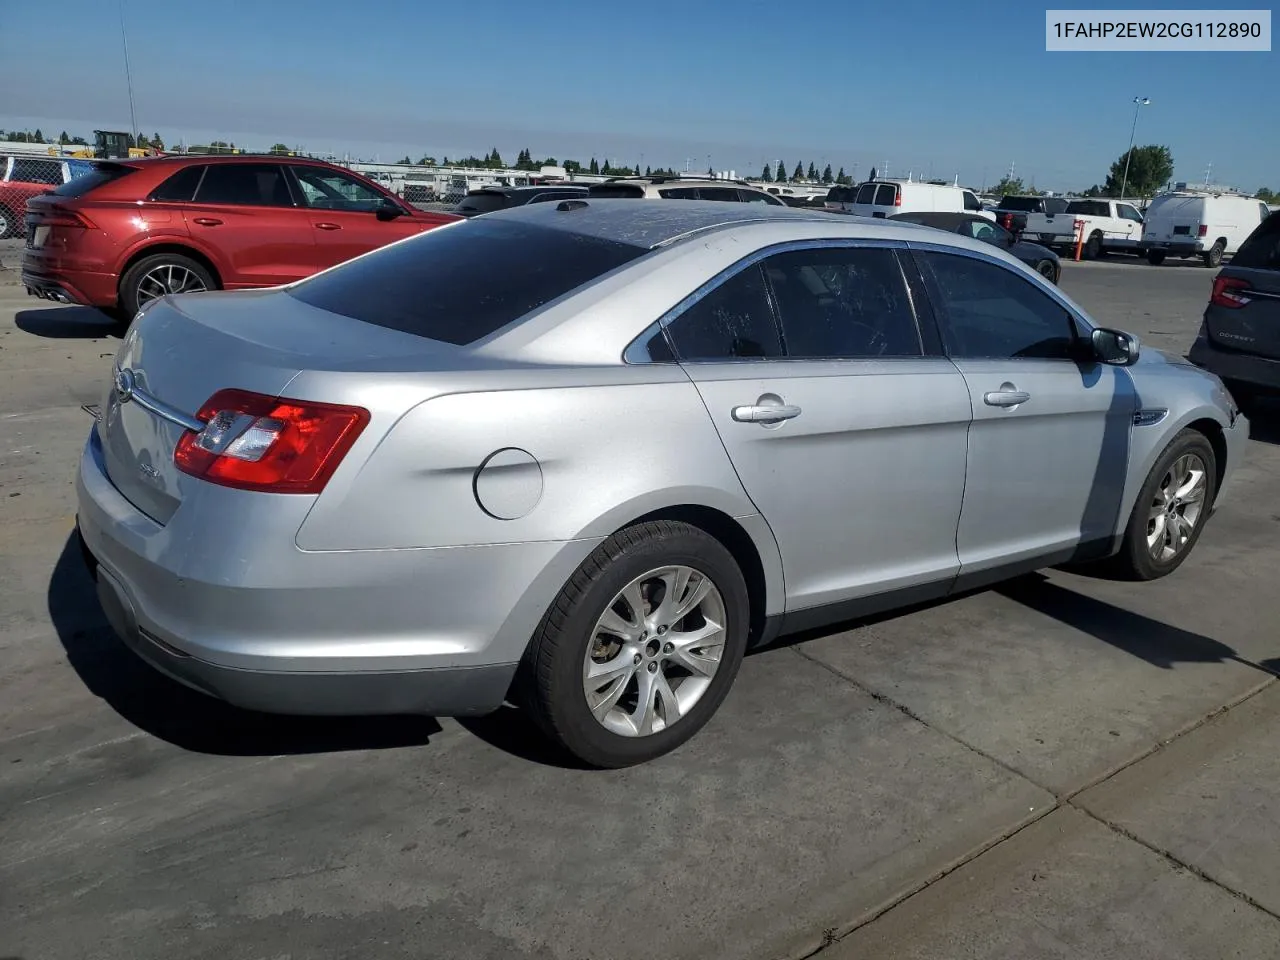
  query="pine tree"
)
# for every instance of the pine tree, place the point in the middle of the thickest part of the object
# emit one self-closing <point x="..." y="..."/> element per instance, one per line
<point x="799" y="172"/>
<point x="605" y="169"/>
<point x="781" y="174"/>
<point x="766" y="174"/>
<point x="813" y="171"/>
<point x="594" y="167"/>
<point x="840" y="177"/>
<point x="826" y="174"/>
<point x="648" y="172"/>
<point x="496" y="158"/>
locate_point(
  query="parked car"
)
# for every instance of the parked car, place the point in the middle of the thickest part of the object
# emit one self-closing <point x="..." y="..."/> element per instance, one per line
<point x="24" y="177"/>
<point x="488" y="199"/>
<point x="1208" y="226"/>
<point x="580" y="458"/>
<point x="1239" y="338"/>
<point x="840" y="198"/>
<point x="1011" y="212"/>
<point x="1040" y="259"/>
<point x="886" y="198"/>
<point x="1110" y="226"/>
<point x="681" y="188"/>
<point x="131" y="231"/>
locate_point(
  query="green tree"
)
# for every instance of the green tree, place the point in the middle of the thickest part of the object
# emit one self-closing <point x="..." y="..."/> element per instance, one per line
<point x="495" y="158"/>
<point x="648" y="172"/>
<point x="572" y="166"/>
<point x="77" y="141"/>
<point x="427" y="161"/>
<point x="767" y="174"/>
<point x="798" y="173"/>
<point x="1149" y="169"/>
<point x="1267" y="195"/>
<point x="156" y="141"/>
<point x="606" y="169"/>
<point x="826" y="175"/>
<point x="1009" y="187"/>
<point x="780" y="172"/>
<point x="842" y="177"/>
<point x="63" y="138"/>
<point x="594" y="167"/>
<point x="283" y="148"/>
<point x="38" y="137"/>
<point x="812" y="174"/>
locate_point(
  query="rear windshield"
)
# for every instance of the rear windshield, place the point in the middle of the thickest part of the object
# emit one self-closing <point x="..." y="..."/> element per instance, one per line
<point x="101" y="173"/>
<point x="481" y="203"/>
<point x="460" y="283"/>
<point x="1262" y="249"/>
<point x="1025" y="204"/>
<point x="617" y="191"/>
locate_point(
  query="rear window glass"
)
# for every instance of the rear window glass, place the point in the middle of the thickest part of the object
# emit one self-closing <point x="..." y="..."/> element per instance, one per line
<point x="679" y="193"/>
<point x="1024" y="204"/>
<point x="866" y="193"/>
<point x="885" y="196"/>
<point x="481" y="203"/>
<point x="617" y="191"/>
<point x="1089" y="208"/>
<point x="458" y="284"/>
<point x="180" y="187"/>
<point x="1262" y="249"/>
<point x="101" y="174"/>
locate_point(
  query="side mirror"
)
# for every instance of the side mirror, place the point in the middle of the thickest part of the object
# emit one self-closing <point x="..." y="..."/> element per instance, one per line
<point x="1115" y="347"/>
<point x="388" y="210"/>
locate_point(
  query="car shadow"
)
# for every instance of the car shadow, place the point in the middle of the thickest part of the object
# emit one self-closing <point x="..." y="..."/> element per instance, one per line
<point x="184" y="717"/>
<point x="1264" y="420"/>
<point x="68" y="323"/>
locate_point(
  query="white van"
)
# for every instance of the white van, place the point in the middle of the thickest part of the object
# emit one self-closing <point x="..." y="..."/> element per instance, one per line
<point x="888" y="198"/>
<point x="1206" y="225"/>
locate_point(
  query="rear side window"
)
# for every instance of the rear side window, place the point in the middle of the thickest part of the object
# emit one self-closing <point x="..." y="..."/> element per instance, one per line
<point x="618" y="191"/>
<point x="732" y="322"/>
<point x="679" y="193"/>
<point x="245" y="184"/>
<point x="886" y="194"/>
<point x="726" y="194"/>
<point x="756" y="196"/>
<point x="1022" y="204"/>
<point x="1089" y="208"/>
<point x="866" y="193"/>
<point x="460" y="283"/>
<point x="181" y="187"/>
<point x="100" y="175"/>
<point x="1262" y="249"/>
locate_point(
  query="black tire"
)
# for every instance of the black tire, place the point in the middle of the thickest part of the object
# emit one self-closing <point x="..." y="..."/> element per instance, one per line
<point x="1048" y="269"/>
<point x="9" y="223"/>
<point x="1155" y="257"/>
<point x="1213" y="256"/>
<point x="1093" y="247"/>
<point x="1134" y="561"/>
<point x="130" y="295"/>
<point x="550" y="681"/>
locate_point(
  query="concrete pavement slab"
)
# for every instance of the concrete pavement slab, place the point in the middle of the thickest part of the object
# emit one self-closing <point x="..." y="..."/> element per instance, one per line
<point x="1210" y="799"/>
<point x="1067" y="888"/>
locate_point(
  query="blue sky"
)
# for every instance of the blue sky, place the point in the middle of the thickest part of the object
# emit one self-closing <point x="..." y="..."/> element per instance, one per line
<point x="943" y="88"/>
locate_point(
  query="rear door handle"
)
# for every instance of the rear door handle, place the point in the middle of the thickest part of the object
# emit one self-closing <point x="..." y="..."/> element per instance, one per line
<point x="328" y="226"/>
<point x="207" y="221"/>
<point x="765" y="413"/>
<point x="1006" y="396"/>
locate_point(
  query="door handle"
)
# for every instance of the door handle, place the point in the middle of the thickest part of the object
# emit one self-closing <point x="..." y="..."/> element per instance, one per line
<point x="207" y="221"/>
<point x="328" y="226"/>
<point x="765" y="413"/>
<point x="1007" y="396"/>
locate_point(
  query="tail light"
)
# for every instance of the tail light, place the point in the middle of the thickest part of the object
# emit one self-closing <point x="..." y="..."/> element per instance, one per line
<point x="1006" y="220"/>
<point x="1229" y="292"/>
<point x="66" y="217"/>
<point x="1203" y="231"/>
<point x="897" y="197"/>
<point x="269" y="444"/>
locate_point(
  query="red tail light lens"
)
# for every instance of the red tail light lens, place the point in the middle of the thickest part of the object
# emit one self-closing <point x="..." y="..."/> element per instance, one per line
<point x="1203" y="231"/>
<point x="897" y="197"/>
<point x="1229" y="292"/>
<point x="269" y="444"/>
<point x="66" y="217"/>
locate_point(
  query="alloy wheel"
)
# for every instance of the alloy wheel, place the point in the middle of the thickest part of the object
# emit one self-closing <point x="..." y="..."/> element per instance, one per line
<point x="166" y="278"/>
<point x="1177" y="507"/>
<point x="654" y="651"/>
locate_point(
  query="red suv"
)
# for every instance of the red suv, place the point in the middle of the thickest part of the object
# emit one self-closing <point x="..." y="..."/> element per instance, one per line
<point x="130" y="231"/>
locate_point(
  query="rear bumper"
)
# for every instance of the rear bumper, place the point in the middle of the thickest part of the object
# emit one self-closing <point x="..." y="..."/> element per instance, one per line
<point x="249" y="618"/>
<point x="1172" y="248"/>
<point x="85" y="288"/>
<point x="1232" y="365"/>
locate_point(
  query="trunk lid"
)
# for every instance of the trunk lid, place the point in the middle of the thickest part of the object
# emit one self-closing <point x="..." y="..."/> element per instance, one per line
<point x="1254" y="325"/>
<point x="1175" y="219"/>
<point x="185" y="349"/>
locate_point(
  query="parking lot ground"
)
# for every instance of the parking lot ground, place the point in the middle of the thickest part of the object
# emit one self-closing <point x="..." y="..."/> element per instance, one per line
<point x="1062" y="766"/>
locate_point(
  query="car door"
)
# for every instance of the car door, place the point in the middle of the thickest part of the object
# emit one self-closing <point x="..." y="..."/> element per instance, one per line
<point x="245" y="216"/>
<point x="846" y="426"/>
<point x="343" y="212"/>
<point x="1130" y="223"/>
<point x="1048" y="448"/>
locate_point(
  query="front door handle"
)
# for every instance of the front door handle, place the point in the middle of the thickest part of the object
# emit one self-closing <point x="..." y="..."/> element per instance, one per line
<point x="1007" y="396"/>
<point x="207" y="221"/>
<point x="328" y="226"/>
<point x="765" y="413"/>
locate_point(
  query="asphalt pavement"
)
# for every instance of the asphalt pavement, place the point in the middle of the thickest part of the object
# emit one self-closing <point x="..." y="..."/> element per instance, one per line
<point x="1059" y="767"/>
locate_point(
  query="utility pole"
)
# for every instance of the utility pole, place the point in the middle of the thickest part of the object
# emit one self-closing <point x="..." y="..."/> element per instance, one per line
<point x="1138" y="104"/>
<point x="128" y="76"/>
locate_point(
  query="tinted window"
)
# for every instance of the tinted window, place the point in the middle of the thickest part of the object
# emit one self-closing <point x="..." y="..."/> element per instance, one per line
<point x="618" y="190"/>
<point x="886" y="194"/>
<point x="971" y="202"/>
<point x="732" y="322"/>
<point x="180" y="187"/>
<point x="1022" y="204"/>
<point x="982" y="230"/>
<point x="334" y="190"/>
<point x="1262" y="249"/>
<point x="843" y="303"/>
<point x="481" y="203"/>
<point x="102" y="173"/>
<point x="756" y="196"/>
<point x="989" y="311"/>
<point x="726" y="194"/>
<point x="1054" y="205"/>
<point x="679" y="193"/>
<point x="1090" y="208"/>
<point x="461" y="283"/>
<point x="866" y="193"/>
<point x="246" y="184"/>
<point x="1263" y="211"/>
<point x="546" y="196"/>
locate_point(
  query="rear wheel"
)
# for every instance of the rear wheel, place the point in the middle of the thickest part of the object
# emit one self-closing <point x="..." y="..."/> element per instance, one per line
<point x="640" y="647"/>
<point x="1048" y="269"/>
<point x="1213" y="256"/>
<point x="1155" y="257"/>
<point x="1093" y="246"/>
<point x="1171" y="509"/>
<point x="160" y="275"/>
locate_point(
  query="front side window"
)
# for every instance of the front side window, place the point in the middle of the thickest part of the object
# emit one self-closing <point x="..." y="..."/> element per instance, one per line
<point x="985" y="231"/>
<point x="245" y="184"/>
<point x="843" y="303"/>
<point x="1129" y="212"/>
<point x="971" y="202"/>
<point x="988" y="311"/>
<point x="734" y="321"/>
<point x="333" y="190"/>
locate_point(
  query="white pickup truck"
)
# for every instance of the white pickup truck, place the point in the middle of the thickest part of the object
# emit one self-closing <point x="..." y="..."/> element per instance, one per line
<point x="1108" y="225"/>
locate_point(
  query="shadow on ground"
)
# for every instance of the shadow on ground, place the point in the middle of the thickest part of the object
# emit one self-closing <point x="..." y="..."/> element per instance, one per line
<point x="68" y="323"/>
<point x="1264" y="420"/>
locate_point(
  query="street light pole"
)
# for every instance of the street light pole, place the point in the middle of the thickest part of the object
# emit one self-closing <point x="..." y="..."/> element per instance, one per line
<point x="128" y="75"/>
<point x="1138" y="104"/>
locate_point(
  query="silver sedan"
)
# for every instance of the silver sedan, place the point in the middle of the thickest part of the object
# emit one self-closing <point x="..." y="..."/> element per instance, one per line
<point x="580" y="456"/>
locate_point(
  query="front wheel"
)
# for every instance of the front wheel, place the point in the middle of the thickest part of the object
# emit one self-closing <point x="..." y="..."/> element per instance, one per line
<point x="641" y="646"/>
<point x="1213" y="256"/>
<point x="1093" y="247"/>
<point x="1171" y="509"/>
<point x="158" y="276"/>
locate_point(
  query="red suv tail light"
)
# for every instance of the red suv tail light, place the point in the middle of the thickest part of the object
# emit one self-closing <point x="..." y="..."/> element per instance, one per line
<point x="1006" y="220"/>
<point x="269" y="444"/>
<point x="1229" y="292"/>
<point x="66" y="217"/>
<point x="1203" y="231"/>
<point x="897" y="197"/>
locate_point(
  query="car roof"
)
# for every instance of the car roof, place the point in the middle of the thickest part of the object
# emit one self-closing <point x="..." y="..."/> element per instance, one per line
<point x="179" y="159"/>
<point x="651" y="225"/>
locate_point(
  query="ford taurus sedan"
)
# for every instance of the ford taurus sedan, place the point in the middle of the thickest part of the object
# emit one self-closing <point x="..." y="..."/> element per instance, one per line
<point x="579" y="456"/>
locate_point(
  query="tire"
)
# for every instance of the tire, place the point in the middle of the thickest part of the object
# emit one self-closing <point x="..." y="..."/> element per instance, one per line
<point x="551" y="682"/>
<point x="1093" y="247"/>
<point x="1155" y="257"/>
<point x="9" y="224"/>
<point x="1213" y="256"/>
<point x="1136" y="559"/>
<point x="136" y="288"/>
<point x="1048" y="269"/>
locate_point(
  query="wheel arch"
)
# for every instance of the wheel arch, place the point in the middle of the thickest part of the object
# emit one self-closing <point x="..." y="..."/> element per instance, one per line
<point x="169" y="246"/>
<point x="1145" y="452"/>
